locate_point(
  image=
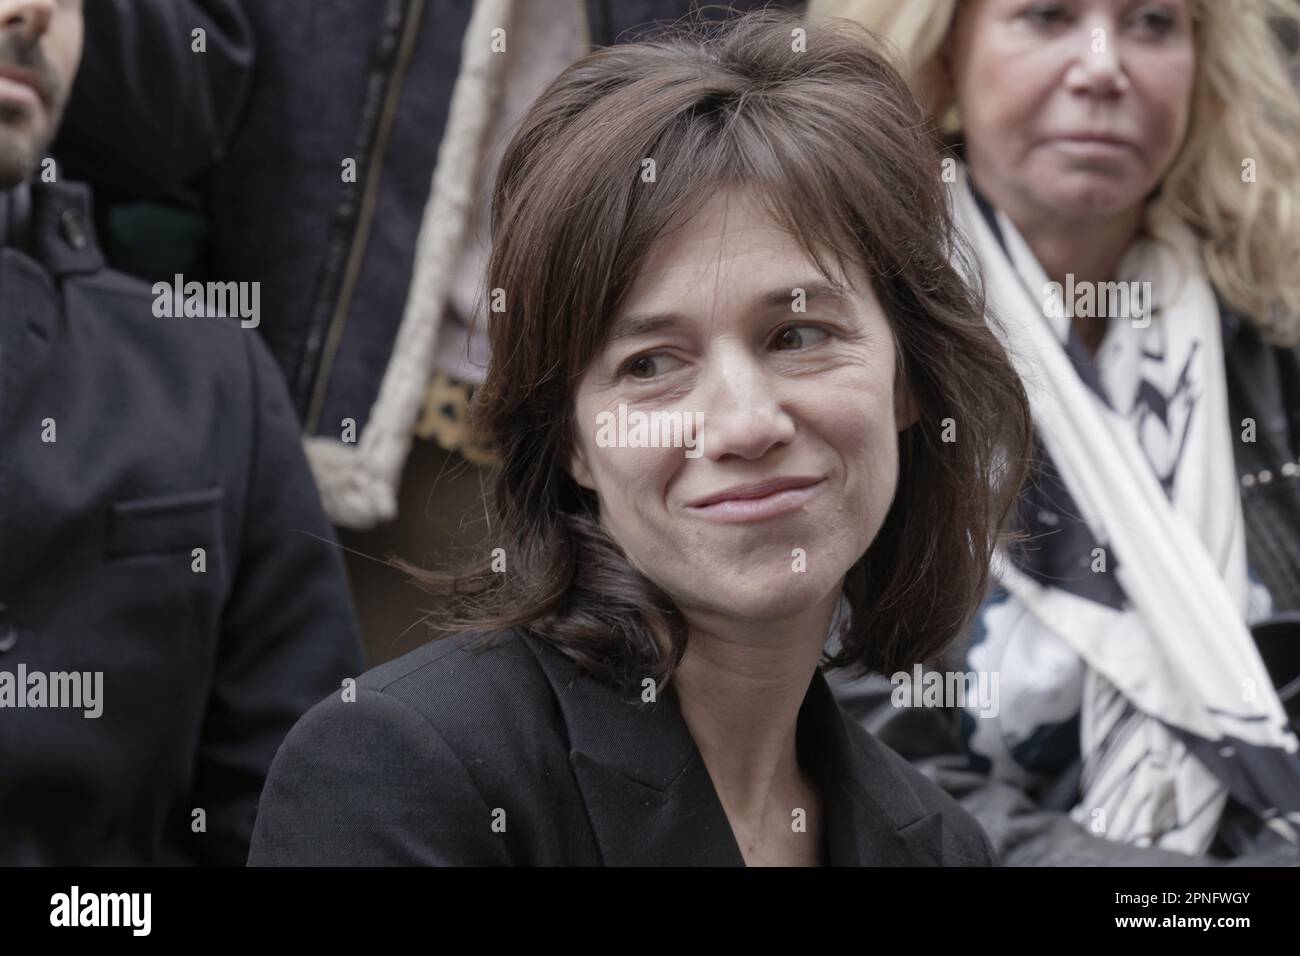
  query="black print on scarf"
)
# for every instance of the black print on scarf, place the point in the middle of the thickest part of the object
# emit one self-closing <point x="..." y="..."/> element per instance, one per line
<point x="1164" y="415"/>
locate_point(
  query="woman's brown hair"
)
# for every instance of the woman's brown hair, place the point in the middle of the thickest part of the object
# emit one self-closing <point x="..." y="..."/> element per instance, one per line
<point x="811" y="117"/>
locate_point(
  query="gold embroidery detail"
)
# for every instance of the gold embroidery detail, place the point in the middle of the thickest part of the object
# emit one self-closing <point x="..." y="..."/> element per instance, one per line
<point x="445" y="418"/>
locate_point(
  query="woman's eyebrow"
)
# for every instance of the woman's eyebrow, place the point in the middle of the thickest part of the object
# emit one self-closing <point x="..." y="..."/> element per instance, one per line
<point x="630" y="326"/>
<point x="814" y="290"/>
<point x="819" y="290"/>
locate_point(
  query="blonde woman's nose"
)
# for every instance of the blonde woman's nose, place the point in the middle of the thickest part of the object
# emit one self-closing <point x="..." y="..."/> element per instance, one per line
<point x="1097" y="66"/>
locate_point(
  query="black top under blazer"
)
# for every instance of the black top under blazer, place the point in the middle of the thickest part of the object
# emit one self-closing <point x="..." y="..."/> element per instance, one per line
<point x="508" y="755"/>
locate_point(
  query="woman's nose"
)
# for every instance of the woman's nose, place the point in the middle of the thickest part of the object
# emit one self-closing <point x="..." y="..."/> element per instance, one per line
<point x="1097" y="67"/>
<point x="742" y="410"/>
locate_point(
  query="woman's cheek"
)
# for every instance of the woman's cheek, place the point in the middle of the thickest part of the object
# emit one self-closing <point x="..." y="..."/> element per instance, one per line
<point x="640" y="477"/>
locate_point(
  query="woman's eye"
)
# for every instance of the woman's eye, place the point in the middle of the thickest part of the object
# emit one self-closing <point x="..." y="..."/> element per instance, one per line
<point x="794" y="337"/>
<point x="644" y="367"/>
<point x="1156" y="22"/>
<point x="1047" y="14"/>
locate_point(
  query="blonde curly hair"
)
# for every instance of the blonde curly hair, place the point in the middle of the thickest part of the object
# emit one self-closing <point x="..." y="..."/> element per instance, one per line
<point x="1245" y="117"/>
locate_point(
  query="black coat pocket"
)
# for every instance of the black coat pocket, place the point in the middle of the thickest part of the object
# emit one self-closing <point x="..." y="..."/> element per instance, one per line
<point x="167" y="524"/>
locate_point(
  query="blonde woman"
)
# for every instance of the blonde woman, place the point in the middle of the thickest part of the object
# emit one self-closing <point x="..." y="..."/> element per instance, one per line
<point x="1128" y="175"/>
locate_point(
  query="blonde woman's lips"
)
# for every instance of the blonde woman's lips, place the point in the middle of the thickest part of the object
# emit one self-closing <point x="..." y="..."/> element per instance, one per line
<point x="1083" y="144"/>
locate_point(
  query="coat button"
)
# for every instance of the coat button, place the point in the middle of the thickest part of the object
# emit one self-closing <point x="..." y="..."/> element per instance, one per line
<point x="1265" y="476"/>
<point x="8" y="633"/>
<point x="72" y="229"/>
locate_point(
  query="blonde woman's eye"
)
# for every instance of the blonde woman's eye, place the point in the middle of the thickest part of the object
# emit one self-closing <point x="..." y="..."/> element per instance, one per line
<point x="1156" y="21"/>
<point x="794" y="337"/>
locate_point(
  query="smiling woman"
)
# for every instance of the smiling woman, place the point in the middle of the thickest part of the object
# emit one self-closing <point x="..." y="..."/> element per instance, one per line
<point x="655" y="622"/>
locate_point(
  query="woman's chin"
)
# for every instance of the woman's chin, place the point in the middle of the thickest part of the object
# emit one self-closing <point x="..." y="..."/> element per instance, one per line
<point x="1085" y="196"/>
<point x="762" y="598"/>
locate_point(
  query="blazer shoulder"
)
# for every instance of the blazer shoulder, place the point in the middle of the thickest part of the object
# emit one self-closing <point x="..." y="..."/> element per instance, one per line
<point x="964" y="839"/>
<point x="488" y="697"/>
<point x="492" y="670"/>
<point x="413" y="765"/>
<point x="365" y="780"/>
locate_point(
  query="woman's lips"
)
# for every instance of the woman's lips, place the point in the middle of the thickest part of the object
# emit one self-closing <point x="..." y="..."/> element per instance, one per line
<point x="1101" y="146"/>
<point x="748" y="510"/>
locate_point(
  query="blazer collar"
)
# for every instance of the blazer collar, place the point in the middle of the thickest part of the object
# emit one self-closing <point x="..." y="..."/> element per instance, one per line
<point x="651" y="801"/>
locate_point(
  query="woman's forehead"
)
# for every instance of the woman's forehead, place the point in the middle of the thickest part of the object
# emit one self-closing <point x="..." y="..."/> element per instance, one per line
<point x="733" y="246"/>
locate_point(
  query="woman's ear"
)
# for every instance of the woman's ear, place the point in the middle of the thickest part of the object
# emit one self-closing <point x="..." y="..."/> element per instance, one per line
<point x="579" y="469"/>
<point x="906" y="413"/>
<point x="943" y="57"/>
<point x="939" y="80"/>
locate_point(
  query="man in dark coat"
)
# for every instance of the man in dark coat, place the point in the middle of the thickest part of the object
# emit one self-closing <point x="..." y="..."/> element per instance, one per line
<point x="171" y="597"/>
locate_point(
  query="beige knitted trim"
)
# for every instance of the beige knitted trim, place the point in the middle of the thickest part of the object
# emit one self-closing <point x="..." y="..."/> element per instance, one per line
<point x="359" y="482"/>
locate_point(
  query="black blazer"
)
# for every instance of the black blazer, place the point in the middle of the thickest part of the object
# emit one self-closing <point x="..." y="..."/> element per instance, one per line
<point x="443" y="741"/>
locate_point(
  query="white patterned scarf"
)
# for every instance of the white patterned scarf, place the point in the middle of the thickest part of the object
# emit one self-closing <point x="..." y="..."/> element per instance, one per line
<point x="1121" y="626"/>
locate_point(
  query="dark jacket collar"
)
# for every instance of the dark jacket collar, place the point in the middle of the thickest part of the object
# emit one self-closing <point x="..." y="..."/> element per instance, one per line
<point x="56" y="227"/>
<point x="48" y="236"/>
<point x="651" y="800"/>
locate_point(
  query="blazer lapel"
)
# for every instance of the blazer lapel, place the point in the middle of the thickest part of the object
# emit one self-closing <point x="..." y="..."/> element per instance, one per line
<point x="874" y="817"/>
<point x="880" y="840"/>
<point x="647" y="791"/>
<point x="651" y="801"/>
<point x="636" y="825"/>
